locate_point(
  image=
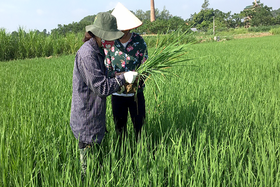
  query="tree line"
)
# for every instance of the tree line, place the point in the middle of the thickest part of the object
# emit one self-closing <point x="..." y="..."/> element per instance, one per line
<point x="255" y="15"/>
<point x="252" y="16"/>
<point x="66" y="39"/>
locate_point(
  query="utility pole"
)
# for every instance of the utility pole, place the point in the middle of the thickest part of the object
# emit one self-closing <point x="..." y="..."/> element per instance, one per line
<point x="153" y="17"/>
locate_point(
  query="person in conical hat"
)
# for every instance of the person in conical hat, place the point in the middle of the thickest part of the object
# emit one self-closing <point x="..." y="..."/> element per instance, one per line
<point x="91" y="85"/>
<point x="127" y="54"/>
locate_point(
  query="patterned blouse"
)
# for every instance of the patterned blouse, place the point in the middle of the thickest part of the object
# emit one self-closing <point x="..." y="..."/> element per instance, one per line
<point x="120" y="58"/>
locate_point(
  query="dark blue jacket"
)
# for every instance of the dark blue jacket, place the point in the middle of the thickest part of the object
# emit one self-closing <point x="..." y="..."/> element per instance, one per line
<point x="90" y="88"/>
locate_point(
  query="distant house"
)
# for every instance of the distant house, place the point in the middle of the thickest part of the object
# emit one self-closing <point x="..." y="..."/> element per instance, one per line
<point x="249" y="7"/>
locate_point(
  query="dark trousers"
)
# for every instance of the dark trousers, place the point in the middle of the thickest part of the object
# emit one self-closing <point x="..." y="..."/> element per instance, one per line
<point x="120" y="107"/>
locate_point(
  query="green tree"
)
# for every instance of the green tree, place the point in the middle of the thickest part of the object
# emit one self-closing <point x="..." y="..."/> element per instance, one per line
<point x="140" y="14"/>
<point x="88" y="20"/>
<point x="205" y="5"/>
<point x="203" y="20"/>
<point x="146" y="15"/>
<point x="74" y="27"/>
<point x="222" y="20"/>
<point x="236" y="21"/>
<point x="275" y="13"/>
<point x="276" y="20"/>
<point x="276" y="16"/>
<point x="175" y="22"/>
<point x="258" y="15"/>
<point x="164" y="14"/>
<point x="164" y="22"/>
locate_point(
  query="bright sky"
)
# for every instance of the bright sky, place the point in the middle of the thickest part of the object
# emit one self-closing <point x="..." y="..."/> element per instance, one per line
<point x="47" y="14"/>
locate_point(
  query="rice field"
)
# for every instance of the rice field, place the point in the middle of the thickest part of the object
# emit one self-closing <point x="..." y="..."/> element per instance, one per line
<point x="215" y="124"/>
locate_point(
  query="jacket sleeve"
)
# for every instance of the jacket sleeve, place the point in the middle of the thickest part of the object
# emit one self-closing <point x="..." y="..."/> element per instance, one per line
<point x="95" y="78"/>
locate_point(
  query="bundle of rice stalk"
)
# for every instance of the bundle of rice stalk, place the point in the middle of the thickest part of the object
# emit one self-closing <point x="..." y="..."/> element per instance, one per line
<point x="169" y="52"/>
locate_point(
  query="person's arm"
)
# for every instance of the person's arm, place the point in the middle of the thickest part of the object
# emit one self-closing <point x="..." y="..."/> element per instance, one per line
<point x="96" y="80"/>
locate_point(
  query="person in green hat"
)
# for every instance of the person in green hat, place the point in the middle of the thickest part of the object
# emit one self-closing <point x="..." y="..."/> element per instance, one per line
<point x="91" y="85"/>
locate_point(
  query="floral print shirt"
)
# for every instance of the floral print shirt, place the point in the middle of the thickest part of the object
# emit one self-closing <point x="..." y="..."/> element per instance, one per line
<point x="129" y="58"/>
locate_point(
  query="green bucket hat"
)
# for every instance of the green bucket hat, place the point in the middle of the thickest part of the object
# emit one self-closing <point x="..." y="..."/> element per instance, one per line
<point x="105" y="27"/>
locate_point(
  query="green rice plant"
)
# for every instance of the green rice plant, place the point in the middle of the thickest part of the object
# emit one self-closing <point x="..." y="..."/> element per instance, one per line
<point x="29" y="43"/>
<point x="5" y="45"/>
<point x="215" y="124"/>
<point x="275" y="31"/>
<point x="22" y="44"/>
<point x="39" y="42"/>
<point x="152" y="40"/>
<point x="73" y="43"/>
<point x="47" y="48"/>
<point x="58" y="43"/>
<point x="167" y="54"/>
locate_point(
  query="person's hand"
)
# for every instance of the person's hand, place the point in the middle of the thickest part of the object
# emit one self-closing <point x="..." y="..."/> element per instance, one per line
<point x="122" y="89"/>
<point x="130" y="76"/>
<point x="130" y="88"/>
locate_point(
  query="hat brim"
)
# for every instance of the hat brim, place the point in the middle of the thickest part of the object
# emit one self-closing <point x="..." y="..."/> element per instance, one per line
<point x="129" y="28"/>
<point x="105" y="35"/>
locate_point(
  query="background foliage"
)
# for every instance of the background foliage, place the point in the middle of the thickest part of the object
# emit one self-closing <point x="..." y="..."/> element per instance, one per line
<point x="260" y="15"/>
<point x="66" y="39"/>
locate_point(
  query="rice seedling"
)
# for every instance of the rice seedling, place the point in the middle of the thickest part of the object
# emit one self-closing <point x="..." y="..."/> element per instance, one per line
<point x="168" y="53"/>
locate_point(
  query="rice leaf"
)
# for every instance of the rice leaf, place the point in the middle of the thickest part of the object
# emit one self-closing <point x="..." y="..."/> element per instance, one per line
<point x="168" y="53"/>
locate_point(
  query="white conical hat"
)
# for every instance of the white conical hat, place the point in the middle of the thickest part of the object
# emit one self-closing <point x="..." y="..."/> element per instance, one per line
<point x="126" y="20"/>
